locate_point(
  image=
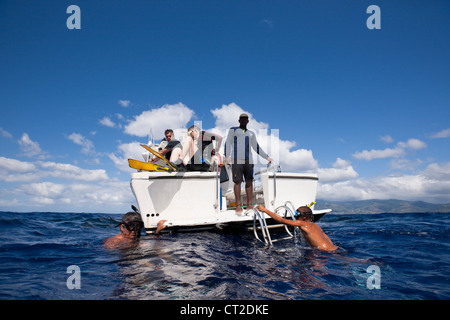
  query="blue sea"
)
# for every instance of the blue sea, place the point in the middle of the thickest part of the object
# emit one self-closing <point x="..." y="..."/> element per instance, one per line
<point x="60" y="256"/>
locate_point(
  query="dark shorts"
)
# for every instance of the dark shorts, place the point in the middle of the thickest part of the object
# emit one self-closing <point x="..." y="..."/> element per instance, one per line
<point x="242" y="172"/>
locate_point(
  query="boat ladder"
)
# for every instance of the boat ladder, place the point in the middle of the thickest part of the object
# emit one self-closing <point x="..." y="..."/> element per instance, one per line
<point x="258" y="217"/>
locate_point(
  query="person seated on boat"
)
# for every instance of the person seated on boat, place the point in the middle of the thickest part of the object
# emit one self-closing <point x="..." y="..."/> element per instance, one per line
<point x="313" y="234"/>
<point x="171" y="145"/>
<point x="237" y="147"/>
<point x="197" y="153"/>
<point x="130" y="231"/>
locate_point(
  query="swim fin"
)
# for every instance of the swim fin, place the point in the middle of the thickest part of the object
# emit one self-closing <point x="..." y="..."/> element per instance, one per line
<point x="146" y="166"/>
<point x="159" y="155"/>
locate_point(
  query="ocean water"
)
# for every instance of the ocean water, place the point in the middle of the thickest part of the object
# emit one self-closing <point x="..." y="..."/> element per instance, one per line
<point x="381" y="256"/>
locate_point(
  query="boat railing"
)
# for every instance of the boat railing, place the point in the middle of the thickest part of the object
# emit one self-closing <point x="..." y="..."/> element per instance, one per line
<point x="258" y="216"/>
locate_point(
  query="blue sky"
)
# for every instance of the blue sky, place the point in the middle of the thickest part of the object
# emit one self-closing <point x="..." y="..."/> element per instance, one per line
<point x="368" y="110"/>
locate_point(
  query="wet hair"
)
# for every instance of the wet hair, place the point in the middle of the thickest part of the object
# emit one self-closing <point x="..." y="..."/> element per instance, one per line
<point x="305" y="211"/>
<point x="131" y="216"/>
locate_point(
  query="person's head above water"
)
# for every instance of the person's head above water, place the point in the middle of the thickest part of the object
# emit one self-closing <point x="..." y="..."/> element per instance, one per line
<point x="304" y="213"/>
<point x="131" y="225"/>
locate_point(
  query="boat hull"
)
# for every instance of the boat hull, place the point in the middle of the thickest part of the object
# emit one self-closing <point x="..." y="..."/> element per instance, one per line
<point x="196" y="200"/>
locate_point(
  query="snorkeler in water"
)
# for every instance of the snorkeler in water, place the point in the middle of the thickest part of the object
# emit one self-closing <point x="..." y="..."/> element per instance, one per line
<point x="130" y="230"/>
<point x="314" y="234"/>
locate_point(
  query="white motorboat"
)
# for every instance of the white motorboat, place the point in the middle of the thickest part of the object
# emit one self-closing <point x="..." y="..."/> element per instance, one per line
<point x="197" y="200"/>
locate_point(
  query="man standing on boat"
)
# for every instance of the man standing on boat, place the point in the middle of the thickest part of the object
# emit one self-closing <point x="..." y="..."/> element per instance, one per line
<point x="238" y="153"/>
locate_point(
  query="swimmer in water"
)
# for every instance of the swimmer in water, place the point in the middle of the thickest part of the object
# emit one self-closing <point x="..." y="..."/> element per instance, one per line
<point x="314" y="234"/>
<point x="130" y="231"/>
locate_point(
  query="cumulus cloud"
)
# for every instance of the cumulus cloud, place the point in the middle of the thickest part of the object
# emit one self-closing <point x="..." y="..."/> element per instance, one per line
<point x="431" y="185"/>
<point x="13" y="165"/>
<point x="124" y="103"/>
<point x="341" y="171"/>
<point x="5" y="133"/>
<point x="159" y="119"/>
<point x="125" y="151"/>
<point x="399" y="151"/>
<point x="31" y="148"/>
<point x="227" y="116"/>
<point x="16" y="170"/>
<point x="107" y="122"/>
<point x="413" y="144"/>
<point x="12" y="170"/>
<point x="60" y="186"/>
<point x="379" y="154"/>
<point x="43" y="192"/>
<point x="71" y="172"/>
<point x="75" y="196"/>
<point x="441" y="134"/>
<point x="405" y="164"/>
<point x="291" y="159"/>
<point x="86" y="144"/>
<point x="387" y="139"/>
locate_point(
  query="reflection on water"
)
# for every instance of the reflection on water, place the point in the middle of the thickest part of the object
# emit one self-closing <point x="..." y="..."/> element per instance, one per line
<point x="222" y="266"/>
<point x="411" y="250"/>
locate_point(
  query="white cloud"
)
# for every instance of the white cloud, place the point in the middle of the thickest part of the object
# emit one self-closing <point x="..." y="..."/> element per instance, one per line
<point x="341" y="171"/>
<point x="13" y="165"/>
<point x="126" y="151"/>
<point x="44" y="189"/>
<point x="15" y="170"/>
<point x="12" y="170"/>
<point x="227" y="116"/>
<point x="158" y="120"/>
<point x="413" y="144"/>
<point x="124" y="103"/>
<point x="405" y="164"/>
<point x="379" y="154"/>
<point x="5" y="133"/>
<point x="107" y="122"/>
<point x="75" y="189"/>
<point x="438" y="172"/>
<point x="399" y="151"/>
<point x="387" y="139"/>
<point x="86" y="144"/>
<point x="31" y="148"/>
<point x="111" y="196"/>
<point x="75" y="197"/>
<point x="442" y="134"/>
<point x="431" y="185"/>
<point x="294" y="160"/>
<point x="71" y="172"/>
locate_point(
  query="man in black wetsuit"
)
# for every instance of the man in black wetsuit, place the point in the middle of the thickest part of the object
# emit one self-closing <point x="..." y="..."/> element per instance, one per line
<point x="171" y="145"/>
